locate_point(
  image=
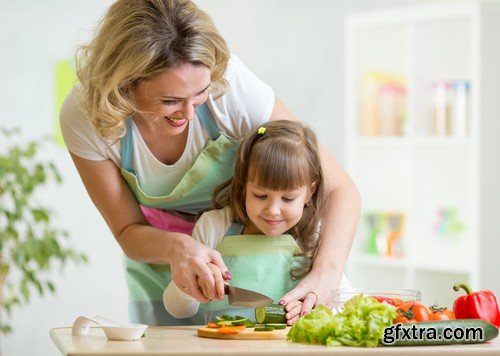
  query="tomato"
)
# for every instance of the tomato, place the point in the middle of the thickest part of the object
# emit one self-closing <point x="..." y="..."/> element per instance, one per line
<point x="443" y="315"/>
<point x="438" y="313"/>
<point x="391" y="301"/>
<point x="414" y="310"/>
<point x="400" y="319"/>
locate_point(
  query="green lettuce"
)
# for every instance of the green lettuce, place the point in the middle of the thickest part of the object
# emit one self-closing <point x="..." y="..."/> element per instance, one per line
<point x="361" y="323"/>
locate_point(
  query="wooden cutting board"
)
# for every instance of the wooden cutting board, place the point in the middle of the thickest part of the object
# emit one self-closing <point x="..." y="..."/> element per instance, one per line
<point x="247" y="334"/>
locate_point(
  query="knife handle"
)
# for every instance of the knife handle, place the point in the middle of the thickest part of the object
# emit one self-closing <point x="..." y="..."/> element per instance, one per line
<point x="226" y="289"/>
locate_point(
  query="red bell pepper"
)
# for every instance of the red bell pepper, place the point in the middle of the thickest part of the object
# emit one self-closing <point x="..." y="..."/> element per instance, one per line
<point x="476" y="305"/>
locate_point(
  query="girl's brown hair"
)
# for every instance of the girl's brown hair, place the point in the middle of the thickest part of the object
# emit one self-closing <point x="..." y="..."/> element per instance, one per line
<point x="284" y="156"/>
<point x="138" y="39"/>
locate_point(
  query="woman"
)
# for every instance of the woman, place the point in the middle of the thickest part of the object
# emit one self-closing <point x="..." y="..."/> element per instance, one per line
<point x="153" y="128"/>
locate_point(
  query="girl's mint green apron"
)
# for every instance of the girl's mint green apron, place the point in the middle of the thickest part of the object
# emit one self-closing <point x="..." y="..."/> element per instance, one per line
<point x="214" y="165"/>
<point x="259" y="263"/>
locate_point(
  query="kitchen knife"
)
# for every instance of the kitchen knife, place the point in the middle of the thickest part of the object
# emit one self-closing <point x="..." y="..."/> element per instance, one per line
<point x="240" y="297"/>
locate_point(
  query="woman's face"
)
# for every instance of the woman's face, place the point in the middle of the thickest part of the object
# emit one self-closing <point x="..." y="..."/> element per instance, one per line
<point x="168" y="100"/>
<point x="274" y="212"/>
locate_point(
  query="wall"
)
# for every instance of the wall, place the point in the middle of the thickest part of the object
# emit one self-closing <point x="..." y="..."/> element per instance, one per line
<point x="296" y="46"/>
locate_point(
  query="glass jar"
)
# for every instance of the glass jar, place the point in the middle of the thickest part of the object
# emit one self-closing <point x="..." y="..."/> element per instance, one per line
<point x="461" y="108"/>
<point x="442" y="108"/>
<point x="342" y="295"/>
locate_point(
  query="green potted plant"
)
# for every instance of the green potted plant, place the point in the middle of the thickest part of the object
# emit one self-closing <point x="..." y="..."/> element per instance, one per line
<point x="31" y="243"/>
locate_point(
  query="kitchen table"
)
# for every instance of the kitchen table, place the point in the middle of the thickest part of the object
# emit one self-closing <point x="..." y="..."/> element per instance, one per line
<point x="175" y="340"/>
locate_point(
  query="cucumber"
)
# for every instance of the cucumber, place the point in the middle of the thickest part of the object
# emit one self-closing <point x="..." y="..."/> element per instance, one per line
<point x="225" y="323"/>
<point x="273" y="313"/>
<point x="264" y="328"/>
<point x="239" y="322"/>
<point x="236" y="322"/>
<point x="442" y="332"/>
<point x="224" y="317"/>
<point x="276" y="326"/>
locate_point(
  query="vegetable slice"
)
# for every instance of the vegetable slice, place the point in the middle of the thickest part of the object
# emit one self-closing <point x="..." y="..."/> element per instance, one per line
<point x="231" y="329"/>
<point x="273" y="313"/>
<point x="276" y="326"/>
<point x="264" y="328"/>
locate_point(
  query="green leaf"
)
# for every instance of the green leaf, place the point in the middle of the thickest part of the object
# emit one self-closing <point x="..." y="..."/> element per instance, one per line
<point x="40" y="215"/>
<point x="5" y="329"/>
<point x="51" y="286"/>
<point x="31" y="150"/>
<point x="25" y="290"/>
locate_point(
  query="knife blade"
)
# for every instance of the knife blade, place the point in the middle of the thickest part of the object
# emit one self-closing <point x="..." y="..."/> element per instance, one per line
<point x="240" y="297"/>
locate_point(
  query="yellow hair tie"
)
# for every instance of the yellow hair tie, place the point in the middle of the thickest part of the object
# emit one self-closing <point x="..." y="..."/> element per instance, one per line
<point x="261" y="130"/>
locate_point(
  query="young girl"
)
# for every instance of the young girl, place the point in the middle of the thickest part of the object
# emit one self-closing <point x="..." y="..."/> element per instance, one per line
<point x="266" y="222"/>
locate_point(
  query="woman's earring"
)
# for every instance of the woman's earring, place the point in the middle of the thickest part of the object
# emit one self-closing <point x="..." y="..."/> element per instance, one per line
<point x="306" y="205"/>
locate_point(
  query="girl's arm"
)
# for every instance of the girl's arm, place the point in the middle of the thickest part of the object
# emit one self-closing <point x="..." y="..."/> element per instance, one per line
<point x="337" y="230"/>
<point x="139" y="240"/>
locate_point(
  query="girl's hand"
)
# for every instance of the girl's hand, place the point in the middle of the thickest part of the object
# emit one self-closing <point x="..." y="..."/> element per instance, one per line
<point x="293" y="311"/>
<point x="219" y="282"/>
<point x="295" y="307"/>
<point x="191" y="261"/>
<point x="311" y="291"/>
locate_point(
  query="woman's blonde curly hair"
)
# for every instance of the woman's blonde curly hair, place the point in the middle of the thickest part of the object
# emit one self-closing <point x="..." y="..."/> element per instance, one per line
<point x="138" y="39"/>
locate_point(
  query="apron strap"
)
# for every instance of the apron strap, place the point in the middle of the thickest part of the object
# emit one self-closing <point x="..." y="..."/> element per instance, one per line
<point x="234" y="229"/>
<point x="126" y="146"/>
<point x="207" y="121"/>
<point x="204" y="114"/>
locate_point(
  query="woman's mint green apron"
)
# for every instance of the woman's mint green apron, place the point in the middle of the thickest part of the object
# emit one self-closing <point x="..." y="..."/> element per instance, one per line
<point x="259" y="263"/>
<point x="214" y="165"/>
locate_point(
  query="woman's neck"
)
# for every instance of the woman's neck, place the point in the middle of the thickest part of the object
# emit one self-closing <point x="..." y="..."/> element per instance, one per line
<point x="166" y="148"/>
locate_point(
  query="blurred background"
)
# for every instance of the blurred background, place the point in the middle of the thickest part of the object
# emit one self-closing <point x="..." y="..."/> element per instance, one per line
<point x="401" y="92"/>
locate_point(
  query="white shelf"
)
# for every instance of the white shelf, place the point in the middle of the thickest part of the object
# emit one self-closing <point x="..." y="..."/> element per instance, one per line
<point x="401" y="141"/>
<point x="443" y="142"/>
<point x="375" y="142"/>
<point x="404" y="263"/>
<point x="418" y="172"/>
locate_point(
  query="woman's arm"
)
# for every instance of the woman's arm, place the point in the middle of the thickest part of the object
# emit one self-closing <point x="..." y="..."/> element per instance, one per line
<point x="337" y="230"/>
<point x="139" y="240"/>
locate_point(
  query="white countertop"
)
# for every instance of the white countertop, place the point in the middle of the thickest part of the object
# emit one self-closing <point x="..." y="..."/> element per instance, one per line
<point x="172" y="340"/>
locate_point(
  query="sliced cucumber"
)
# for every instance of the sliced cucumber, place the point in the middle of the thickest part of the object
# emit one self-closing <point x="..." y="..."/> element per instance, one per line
<point x="242" y="321"/>
<point x="225" y="317"/>
<point x="276" y="326"/>
<point x="224" y="323"/>
<point x="273" y="313"/>
<point x="237" y="322"/>
<point x="264" y="328"/>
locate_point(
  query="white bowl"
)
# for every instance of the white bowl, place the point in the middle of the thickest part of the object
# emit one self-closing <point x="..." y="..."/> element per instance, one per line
<point x="128" y="332"/>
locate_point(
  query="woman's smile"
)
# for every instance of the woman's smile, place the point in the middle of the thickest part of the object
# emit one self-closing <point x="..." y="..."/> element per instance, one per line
<point x="175" y="122"/>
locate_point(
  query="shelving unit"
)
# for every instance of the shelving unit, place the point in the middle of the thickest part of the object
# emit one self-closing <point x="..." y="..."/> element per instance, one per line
<point x="402" y="162"/>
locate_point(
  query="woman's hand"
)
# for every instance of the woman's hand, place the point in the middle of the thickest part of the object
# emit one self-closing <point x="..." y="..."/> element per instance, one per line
<point x="191" y="262"/>
<point x="219" y="282"/>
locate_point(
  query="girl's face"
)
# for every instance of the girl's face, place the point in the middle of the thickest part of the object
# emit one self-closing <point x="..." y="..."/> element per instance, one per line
<point x="274" y="212"/>
<point x="169" y="99"/>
